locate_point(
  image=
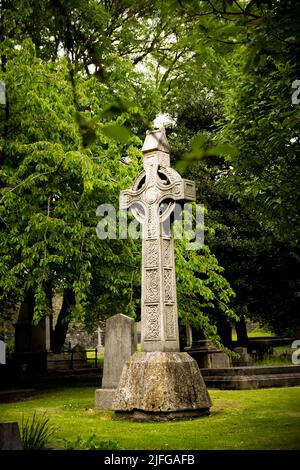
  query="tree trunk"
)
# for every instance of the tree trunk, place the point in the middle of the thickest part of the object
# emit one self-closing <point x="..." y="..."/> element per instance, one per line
<point x="62" y="324"/>
<point x="23" y="326"/>
<point x="225" y="331"/>
<point x="241" y="331"/>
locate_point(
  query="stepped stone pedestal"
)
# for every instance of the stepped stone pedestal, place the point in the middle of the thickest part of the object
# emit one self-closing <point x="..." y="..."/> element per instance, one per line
<point x="251" y="378"/>
<point x="158" y="386"/>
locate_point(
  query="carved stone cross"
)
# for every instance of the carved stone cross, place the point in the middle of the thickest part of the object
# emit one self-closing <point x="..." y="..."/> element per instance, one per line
<point x="152" y="200"/>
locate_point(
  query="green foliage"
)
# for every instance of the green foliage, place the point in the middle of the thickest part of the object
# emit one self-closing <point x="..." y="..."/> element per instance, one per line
<point x="262" y="124"/>
<point x="237" y="137"/>
<point x="67" y="133"/>
<point x="261" y="121"/>
<point x="84" y="81"/>
<point x="203" y="292"/>
<point x="51" y="187"/>
<point x="36" y="432"/>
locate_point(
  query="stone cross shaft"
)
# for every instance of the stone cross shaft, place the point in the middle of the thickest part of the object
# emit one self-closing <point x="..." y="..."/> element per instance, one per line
<point x="152" y="200"/>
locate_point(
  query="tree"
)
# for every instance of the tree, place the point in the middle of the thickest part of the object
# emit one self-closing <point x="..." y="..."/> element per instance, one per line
<point x="248" y="180"/>
<point x="65" y="138"/>
<point x="261" y="121"/>
<point x="51" y="186"/>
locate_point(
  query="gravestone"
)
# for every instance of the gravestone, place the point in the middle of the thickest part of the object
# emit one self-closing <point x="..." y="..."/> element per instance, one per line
<point x="244" y="360"/>
<point x="2" y="351"/>
<point x="120" y="343"/>
<point x="79" y="356"/>
<point x="10" y="436"/>
<point x="32" y="338"/>
<point x="100" y="347"/>
<point x="32" y="343"/>
<point x="2" y="93"/>
<point x="160" y="383"/>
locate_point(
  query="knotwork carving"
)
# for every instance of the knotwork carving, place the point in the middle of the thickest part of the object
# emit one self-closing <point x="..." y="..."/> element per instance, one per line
<point x="168" y="285"/>
<point x="152" y="286"/>
<point x="166" y="248"/>
<point x="171" y="318"/>
<point x="152" y="254"/>
<point x="152" y="326"/>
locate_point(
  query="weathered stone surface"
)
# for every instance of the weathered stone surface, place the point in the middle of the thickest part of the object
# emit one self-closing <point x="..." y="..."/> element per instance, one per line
<point x="243" y="360"/>
<point x="120" y="343"/>
<point x="100" y="347"/>
<point x="10" y="436"/>
<point x="159" y="383"/>
<point x="207" y="355"/>
<point x="104" y="398"/>
<point x="251" y="378"/>
<point x="157" y="184"/>
<point x="58" y="361"/>
<point x="146" y="416"/>
<point x="79" y="356"/>
<point x="2" y="352"/>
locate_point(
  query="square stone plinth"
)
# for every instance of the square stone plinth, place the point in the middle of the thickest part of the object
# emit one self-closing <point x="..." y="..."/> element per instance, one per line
<point x="104" y="398"/>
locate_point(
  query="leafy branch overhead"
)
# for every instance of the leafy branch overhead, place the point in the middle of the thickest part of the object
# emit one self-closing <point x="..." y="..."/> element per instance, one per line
<point x="84" y="81"/>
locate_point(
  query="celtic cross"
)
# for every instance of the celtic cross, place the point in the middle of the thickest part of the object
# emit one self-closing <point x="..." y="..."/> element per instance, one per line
<point x="152" y="200"/>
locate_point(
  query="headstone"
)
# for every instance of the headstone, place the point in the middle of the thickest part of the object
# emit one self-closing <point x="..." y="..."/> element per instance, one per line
<point x="120" y="343"/>
<point x="100" y="347"/>
<point x="30" y="337"/>
<point x="160" y="383"/>
<point x="2" y="94"/>
<point x="189" y="336"/>
<point x="244" y="360"/>
<point x="48" y="327"/>
<point x="2" y="352"/>
<point x="10" y="436"/>
<point x="40" y="335"/>
<point x="32" y="342"/>
<point x="79" y="356"/>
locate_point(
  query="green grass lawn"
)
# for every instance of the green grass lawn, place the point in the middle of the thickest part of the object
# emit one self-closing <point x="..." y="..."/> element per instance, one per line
<point x="249" y="419"/>
<point x="91" y="358"/>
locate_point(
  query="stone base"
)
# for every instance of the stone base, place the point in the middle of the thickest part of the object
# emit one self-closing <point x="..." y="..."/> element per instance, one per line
<point x="160" y="386"/>
<point x="104" y="398"/>
<point x="144" y="416"/>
